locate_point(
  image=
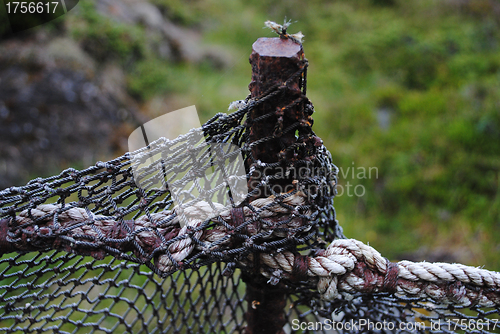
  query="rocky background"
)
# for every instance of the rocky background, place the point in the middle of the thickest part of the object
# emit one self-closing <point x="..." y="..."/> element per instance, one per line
<point x="64" y="99"/>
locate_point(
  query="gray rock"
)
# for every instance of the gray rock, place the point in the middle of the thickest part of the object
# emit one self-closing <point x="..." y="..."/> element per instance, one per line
<point x="384" y="117"/>
<point x="64" y="52"/>
<point x="148" y="14"/>
<point x="118" y="10"/>
<point x="186" y="44"/>
<point x="53" y="114"/>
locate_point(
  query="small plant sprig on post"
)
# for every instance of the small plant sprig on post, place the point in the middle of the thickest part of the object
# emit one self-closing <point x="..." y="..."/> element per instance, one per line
<point x="281" y="30"/>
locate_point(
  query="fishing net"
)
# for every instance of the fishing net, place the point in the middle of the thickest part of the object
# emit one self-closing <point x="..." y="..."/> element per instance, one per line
<point x="120" y="247"/>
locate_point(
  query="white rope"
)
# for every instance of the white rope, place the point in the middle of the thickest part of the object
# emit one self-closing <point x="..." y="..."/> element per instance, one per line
<point x="444" y="282"/>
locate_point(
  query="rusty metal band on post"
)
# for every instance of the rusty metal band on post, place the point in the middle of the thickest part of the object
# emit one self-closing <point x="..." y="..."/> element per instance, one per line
<point x="274" y="61"/>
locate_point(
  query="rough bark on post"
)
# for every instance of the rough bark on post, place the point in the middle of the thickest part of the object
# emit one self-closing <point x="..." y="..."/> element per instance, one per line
<point x="274" y="62"/>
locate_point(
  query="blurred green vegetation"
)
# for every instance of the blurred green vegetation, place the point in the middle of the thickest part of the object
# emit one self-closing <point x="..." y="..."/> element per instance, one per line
<point x="409" y="87"/>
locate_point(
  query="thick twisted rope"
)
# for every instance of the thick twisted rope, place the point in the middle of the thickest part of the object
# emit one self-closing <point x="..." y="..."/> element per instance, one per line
<point x="345" y="267"/>
<point x="78" y="225"/>
<point x="348" y="266"/>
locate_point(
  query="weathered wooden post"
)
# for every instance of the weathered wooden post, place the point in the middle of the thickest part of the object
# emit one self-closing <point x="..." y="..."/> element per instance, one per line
<point x="274" y="62"/>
